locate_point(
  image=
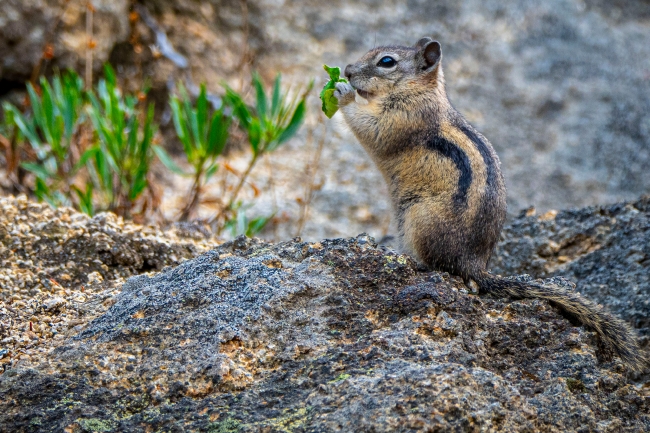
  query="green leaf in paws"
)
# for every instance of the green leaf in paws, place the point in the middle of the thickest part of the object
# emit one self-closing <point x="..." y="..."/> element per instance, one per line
<point x="330" y="103"/>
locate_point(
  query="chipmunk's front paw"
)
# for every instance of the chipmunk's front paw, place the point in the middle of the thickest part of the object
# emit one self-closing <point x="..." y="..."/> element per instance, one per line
<point x="344" y="93"/>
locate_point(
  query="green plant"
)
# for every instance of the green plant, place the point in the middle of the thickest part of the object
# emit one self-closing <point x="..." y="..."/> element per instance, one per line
<point x="330" y="104"/>
<point x="270" y="123"/>
<point x="240" y="223"/>
<point x="203" y="133"/>
<point x="56" y="115"/>
<point x="119" y="163"/>
<point x="12" y="144"/>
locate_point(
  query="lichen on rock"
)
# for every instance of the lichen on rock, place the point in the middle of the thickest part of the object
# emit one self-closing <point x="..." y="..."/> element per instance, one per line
<point x="338" y="335"/>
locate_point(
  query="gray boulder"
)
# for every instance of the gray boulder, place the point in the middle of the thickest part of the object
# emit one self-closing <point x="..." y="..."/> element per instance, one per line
<point x="605" y="250"/>
<point x="339" y="335"/>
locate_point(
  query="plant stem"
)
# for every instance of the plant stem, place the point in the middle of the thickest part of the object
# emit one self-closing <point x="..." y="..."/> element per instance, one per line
<point x="237" y="189"/>
<point x="89" y="44"/>
<point x="195" y="192"/>
<point x="309" y="192"/>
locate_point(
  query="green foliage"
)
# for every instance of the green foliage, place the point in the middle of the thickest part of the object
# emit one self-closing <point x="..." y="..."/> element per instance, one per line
<point x="330" y="103"/>
<point x="56" y="115"/>
<point x="240" y="224"/>
<point x="203" y="134"/>
<point x="93" y="149"/>
<point x="274" y="120"/>
<point x="11" y="144"/>
<point x="229" y="425"/>
<point x="86" y="203"/>
<point x="341" y="377"/>
<point x="8" y="128"/>
<point x="119" y="163"/>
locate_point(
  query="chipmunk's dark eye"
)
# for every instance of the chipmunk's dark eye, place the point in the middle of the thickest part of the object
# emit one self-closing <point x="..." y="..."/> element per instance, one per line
<point x="387" y="62"/>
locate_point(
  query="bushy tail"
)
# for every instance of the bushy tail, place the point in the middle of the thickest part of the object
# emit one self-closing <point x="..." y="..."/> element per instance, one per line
<point x="614" y="333"/>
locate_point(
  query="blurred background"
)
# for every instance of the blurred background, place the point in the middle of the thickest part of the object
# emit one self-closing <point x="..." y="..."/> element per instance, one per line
<point x="561" y="88"/>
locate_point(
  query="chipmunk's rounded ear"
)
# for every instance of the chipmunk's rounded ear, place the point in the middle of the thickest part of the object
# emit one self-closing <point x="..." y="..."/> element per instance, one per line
<point x="430" y="51"/>
<point x="422" y="42"/>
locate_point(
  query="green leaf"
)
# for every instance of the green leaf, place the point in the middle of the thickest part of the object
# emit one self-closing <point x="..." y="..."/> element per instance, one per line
<point x="180" y="124"/>
<point x="109" y="74"/>
<point x="88" y="155"/>
<point x="26" y="128"/>
<point x="202" y="115"/>
<point x="211" y="171"/>
<point x="240" y="110"/>
<point x="260" y="97"/>
<point x="294" y="124"/>
<point x="39" y="170"/>
<point x="138" y="187"/>
<point x="85" y="199"/>
<point x="334" y="72"/>
<point x="42" y="191"/>
<point x="168" y="162"/>
<point x="218" y="134"/>
<point x="194" y="123"/>
<point x="330" y="104"/>
<point x="256" y="225"/>
<point x="255" y="135"/>
<point x="276" y="100"/>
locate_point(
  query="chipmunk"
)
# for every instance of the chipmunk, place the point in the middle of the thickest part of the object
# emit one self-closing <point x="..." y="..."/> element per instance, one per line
<point x="444" y="178"/>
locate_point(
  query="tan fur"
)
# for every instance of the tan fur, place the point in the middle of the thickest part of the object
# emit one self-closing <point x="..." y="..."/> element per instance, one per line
<point x="479" y="171"/>
<point x="445" y="180"/>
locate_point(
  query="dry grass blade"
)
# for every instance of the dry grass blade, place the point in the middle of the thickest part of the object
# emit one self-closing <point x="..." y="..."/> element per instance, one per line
<point x="312" y="170"/>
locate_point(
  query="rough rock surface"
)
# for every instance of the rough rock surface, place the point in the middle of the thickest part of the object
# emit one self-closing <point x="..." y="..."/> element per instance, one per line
<point x="60" y="268"/>
<point x="27" y="26"/>
<point x="604" y="249"/>
<point x="339" y="335"/>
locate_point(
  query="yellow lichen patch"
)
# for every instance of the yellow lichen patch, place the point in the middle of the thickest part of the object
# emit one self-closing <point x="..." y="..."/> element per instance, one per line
<point x="231" y="346"/>
<point x="430" y="331"/>
<point x="224" y="273"/>
<point x="550" y="215"/>
<point x="185" y="342"/>
<point x="392" y="261"/>
<point x="138" y="315"/>
<point x="569" y="250"/>
<point x="200" y="388"/>
<point x="273" y="263"/>
<point x="246" y="361"/>
<point x="372" y="316"/>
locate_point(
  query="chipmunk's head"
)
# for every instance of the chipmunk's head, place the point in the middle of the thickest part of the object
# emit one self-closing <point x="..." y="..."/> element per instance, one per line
<point x="393" y="70"/>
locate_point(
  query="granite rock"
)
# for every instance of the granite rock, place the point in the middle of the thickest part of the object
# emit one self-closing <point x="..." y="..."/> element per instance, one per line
<point x="338" y="335"/>
<point x="605" y="250"/>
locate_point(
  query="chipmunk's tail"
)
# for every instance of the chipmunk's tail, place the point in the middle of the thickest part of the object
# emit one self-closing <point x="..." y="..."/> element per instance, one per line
<point x="613" y="332"/>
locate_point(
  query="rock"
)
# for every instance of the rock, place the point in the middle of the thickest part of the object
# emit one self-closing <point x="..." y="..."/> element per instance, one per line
<point x="605" y="250"/>
<point x="59" y="269"/>
<point x="54" y="303"/>
<point x="338" y="335"/>
<point x="27" y="26"/>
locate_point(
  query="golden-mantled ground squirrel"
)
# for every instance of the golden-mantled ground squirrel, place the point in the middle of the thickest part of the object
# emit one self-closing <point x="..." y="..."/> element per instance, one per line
<point x="445" y="180"/>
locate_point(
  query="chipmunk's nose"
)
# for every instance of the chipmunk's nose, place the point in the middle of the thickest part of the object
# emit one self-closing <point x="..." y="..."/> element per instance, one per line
<point x="348" y="71"/>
